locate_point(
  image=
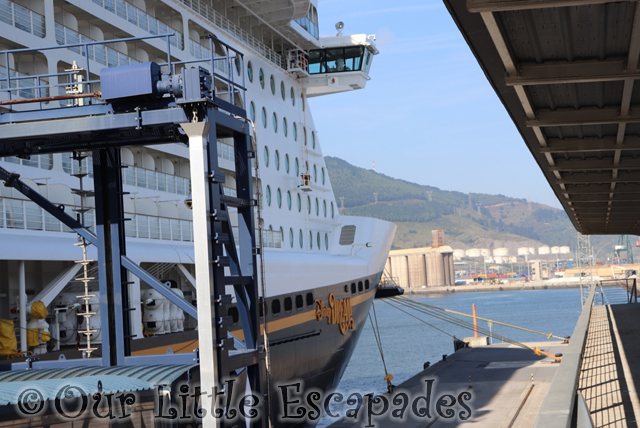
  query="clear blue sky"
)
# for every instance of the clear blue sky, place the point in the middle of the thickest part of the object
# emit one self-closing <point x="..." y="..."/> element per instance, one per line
<point x="428" y="115"/>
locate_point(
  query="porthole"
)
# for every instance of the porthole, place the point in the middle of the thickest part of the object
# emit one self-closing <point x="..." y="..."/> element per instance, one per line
<point x="291" y="237"/>
<point x="275" y="122"/>
<point x="332" y="210"/>
<point x="346" y="288"/>
<point x="301" y="238"/>
<point x="324" y="208"/>
<point x="289" y="200"/>
<point x="293" y="97"/>
<point x="279" y="197"/>
<point x="264" y="117"/>
<point x="304" y="132"/>
<point x="283" y="91"/>
<point x="310" y="299"/>
<point x="261" y="77"/>
<point x="318" y="240"/>
<point x="353" y="288"/>
<point x="313" y="139"/>
<point x="299" y="202"/>
<point x="272" y="82"/>
<point x="306" y="167"/>
<point x="317" y="207"/>
<point x="238" y="66"/>
<point x="299" y="301"/>
<point x="277" y="160"/>
<point x="366" y="284"/>
<point x="315" y="173"/>
<point x="326" y="241"/>
<point x="288" y="304"/>
<point x="252" y="112"/>
<point x="286" y="163"/>
<point x="281" y="236"/>
<point x="297" y="165"/>
<point x="308" y="204"/>
<point x="322" y="173"/>
<point x="360" y="287"/>
<point x="285" y="126"/>
<point x="310" y="240"/>
<point x="295" y="132"/>
<point x="266" y="156"/>
<point x="268" y="195"/>
<point x="275" y="306"/>
<point x="250" y="71"/>
<point x="302" y="100"/>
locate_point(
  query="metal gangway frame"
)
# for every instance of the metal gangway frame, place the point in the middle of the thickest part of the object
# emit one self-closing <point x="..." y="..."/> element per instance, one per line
<point x="196" y="116"/>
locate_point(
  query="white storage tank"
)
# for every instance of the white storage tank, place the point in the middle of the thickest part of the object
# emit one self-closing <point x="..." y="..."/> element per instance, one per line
<point x="474" y="252"/>
<point x="555" y="250"/>
<point x="523" y="251"/>
<point x="513" y="259"/>
<point x="498" y="259"/>
<point x="544" y="250"/>
<point x="500" y="252"/>
<point x="485" y="252"/>
<point x="458" y="254"/>
<point x="565" y="249"/>
<point x="532" y="250"/>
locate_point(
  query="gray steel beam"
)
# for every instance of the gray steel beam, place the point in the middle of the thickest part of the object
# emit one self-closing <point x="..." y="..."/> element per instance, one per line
<point x="555" y="73"/>
<point x="580" y="145"/>
<point x="476" y="6"/>
<point x="623" y="177"/>
<point x="615" y="206"/>
<point x="583" y="116"/>
<point x="605" y="164"/>
<point x="603" y="197"/>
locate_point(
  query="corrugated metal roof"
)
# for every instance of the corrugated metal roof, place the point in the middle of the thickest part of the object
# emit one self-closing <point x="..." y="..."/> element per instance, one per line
<point x="84" y="380"/>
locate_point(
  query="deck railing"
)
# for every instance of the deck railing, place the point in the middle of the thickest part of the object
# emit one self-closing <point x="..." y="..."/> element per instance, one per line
<point x="22" y="18"/>
<point x="100" y="53"/>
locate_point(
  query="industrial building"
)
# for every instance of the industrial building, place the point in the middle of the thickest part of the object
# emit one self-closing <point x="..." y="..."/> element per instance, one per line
<point x="423" y="267"/>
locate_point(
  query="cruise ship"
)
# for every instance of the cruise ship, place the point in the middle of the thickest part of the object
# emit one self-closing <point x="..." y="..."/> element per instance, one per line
<point x="319" y="268"/>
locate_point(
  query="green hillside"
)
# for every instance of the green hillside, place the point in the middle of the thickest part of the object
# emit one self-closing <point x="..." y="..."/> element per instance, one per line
<point x="475" y="220"/>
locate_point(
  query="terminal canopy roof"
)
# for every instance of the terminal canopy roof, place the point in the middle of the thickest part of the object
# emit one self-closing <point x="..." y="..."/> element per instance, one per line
<point x="567" y="73"/>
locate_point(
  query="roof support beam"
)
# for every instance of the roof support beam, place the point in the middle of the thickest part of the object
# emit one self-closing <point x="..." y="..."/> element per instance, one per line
<point x="571" y="72"/>
<point x="614" y="206"/>
<point x="580" y="145"/>
<point x="603" y="197"/>
<point x="583" y="116"/>
<point x="506" y="5"/>
<point x="623" y="177"/>
<point x="605" y="164"/>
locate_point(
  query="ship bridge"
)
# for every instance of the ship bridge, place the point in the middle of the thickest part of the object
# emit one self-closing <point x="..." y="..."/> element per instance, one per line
<point x="341" y="64"/>
<point x="566" y="71"/>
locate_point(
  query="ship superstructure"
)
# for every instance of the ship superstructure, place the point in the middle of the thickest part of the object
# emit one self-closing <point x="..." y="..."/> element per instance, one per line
<point x="269" y="60"/>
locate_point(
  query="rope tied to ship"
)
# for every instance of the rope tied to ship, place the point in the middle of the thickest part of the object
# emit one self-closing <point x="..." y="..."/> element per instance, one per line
<point x="376" y="334"/>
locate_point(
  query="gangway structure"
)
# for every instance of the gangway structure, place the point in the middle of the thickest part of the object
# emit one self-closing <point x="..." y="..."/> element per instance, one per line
<point x="144" y="104"/>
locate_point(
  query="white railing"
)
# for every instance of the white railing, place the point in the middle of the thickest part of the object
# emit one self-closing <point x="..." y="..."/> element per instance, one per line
<point x="27" y="215"/>
<point x="141" y="19"/>
<point x="27" y="87"/>
<point x="203" y="52"/>
<point x="22" y="18"/>
<point x="36" y="161"/>
<point x="100" y="53"/>
<point x="271" y="239"/>
<point x="226" y="151"/>
<point x="233" y="30"/>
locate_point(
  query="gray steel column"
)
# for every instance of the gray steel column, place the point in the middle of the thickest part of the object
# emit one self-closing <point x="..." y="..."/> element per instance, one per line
<point x="198" y="133"/>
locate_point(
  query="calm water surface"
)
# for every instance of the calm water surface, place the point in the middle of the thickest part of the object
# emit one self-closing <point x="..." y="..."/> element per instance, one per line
<point x="408" y="343"/>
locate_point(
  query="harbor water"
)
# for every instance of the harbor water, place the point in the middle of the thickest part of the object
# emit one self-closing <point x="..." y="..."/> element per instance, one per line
<point x="408" y="343"/>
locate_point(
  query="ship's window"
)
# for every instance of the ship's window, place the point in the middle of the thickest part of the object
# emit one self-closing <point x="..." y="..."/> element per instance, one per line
<point x="332" y="210"/>
<point x="250" y="71"/>
<point x="322" y="173"/>
<point x="366" y="284"/>
<point x="301" y="238"/>
<point x="285" y="127"/>
<point x="289" y="200"/>
<point x="252" y="111"/>
<point x="336" y="60"/>
<point x="281" y="236"/>
<point x="233" y="313"/>
<point x="283" y="91"/>
<point x="295" y="132"/>
<point x="346" y="288"/>
<point x="304" y="131"/>
<point x="353" y="288"/>
<point x="306" y="167"/>
<point x="266" y="156"/>
<point x="279" y="197"/>
<point x="324" y="208"/>
<point x="291" y="237"/>
<point x="310" y="240"/>
<point x="277" y="160"/>
<point x="261" y="77"/>
<point x="360" y="287"/>
<point x="297" y="165"/>
<point x="288" y="304"/>
<point x="272" y="82"/>
<point x="275" y="306"/>
<point x="315" y="173"/>
<point x="293" y="97"/>
<point x="299" y="202"/>
<point x="238" y="65"/>
<point x="264" y="117"/>
<point x="308" y="204"/>
<point x="317" y="207"/>
<point x="302" y="100"/>
<point x="275" y="122"/>
<point x="286" y="163"/>
<point x="313" y="139"/>
<point x="318" y="244"/>
<point x="326" y="241"/>
<point x="299" y="301"/>
<point x="310" y="299"/>
<point x="268" y="195"/>
<point x="347" y="235"/>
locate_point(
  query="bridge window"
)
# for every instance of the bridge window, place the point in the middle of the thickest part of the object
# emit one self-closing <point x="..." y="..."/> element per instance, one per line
<point x="336" y="60"/>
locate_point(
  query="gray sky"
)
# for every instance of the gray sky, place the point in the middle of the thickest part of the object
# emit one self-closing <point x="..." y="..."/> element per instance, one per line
<point x="428" y="115"/>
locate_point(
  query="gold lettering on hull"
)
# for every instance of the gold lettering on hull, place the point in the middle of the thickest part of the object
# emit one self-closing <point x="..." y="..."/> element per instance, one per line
<point x="336" y="312"/>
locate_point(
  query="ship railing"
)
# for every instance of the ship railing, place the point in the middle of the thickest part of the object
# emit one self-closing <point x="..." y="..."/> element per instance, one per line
<point x="22" y="18"/>
<point x="233" y="30"/>
<point x="141" y="19"/>
<point x="617" y="291"/>
<point x="27" y="215"/>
